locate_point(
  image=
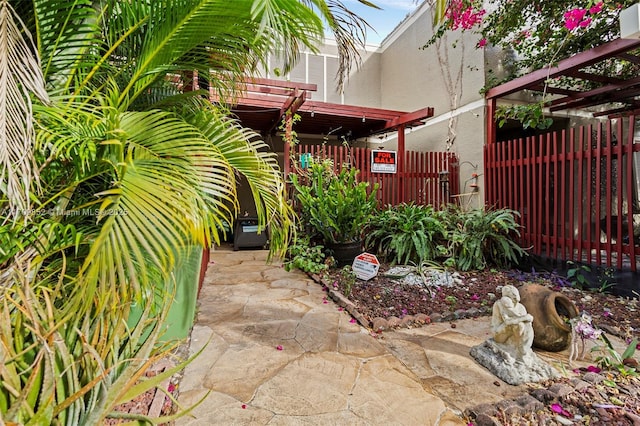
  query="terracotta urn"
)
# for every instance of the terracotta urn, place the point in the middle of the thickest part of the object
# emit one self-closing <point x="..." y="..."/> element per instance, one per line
<point x="551" y="313"/>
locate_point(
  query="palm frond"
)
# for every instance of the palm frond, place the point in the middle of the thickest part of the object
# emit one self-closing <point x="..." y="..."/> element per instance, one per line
<point x="69" y="39"/>
<point x="20" y="78"/>
<point x="249" y="156"/>
<point x="165" y="178"/>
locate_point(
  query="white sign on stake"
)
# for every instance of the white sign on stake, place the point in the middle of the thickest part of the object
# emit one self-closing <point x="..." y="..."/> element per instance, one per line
<point x="365" y="266"/>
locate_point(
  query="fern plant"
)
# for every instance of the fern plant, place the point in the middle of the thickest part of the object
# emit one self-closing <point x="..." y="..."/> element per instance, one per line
<point x="406" y="233"/>
<point x="480" y="237"/>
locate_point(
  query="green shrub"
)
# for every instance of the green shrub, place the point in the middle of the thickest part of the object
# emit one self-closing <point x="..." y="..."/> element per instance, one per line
<point x="482" y="237"/>
<point x="334" y="205"/>
<point x="406" y="233"/>
<point x="306" y="257"/>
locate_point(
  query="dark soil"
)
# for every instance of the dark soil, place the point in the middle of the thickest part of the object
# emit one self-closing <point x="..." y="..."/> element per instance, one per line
<point x="385" y="297"/>
<point x="595" y="398"/>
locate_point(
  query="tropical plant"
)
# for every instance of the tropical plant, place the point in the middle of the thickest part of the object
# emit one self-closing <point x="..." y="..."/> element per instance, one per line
<point x="334" y="204"/>
<point x="109" y="172"/>
<point x="305" y="256"/>
<point x="480" y="237"/>
<point x="577" y="274"/>
<point x="406" y="233"/>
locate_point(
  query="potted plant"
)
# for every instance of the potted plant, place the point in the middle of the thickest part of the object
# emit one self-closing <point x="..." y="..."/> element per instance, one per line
<point x="335" y="207"/>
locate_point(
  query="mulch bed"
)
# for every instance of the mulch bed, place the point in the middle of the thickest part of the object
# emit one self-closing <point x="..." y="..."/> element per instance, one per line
<point x="590" y="396"/>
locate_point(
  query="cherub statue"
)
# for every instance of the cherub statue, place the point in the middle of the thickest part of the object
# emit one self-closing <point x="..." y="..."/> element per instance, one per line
<point x="511" y="324"/>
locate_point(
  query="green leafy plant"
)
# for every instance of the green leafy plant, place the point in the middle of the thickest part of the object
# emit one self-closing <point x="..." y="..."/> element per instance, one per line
<point x="305" y="257"/>
<point x="577" y="275"/>
<point x="334" y="205"/>
<point x="347" y="279"/>
<point x="610" y="359"/>
<point x="606" y="280"/>
<point x="110" y="167"/>
<point x="406" y="233"/>
<point x="530" y="115"/>
<point x="451" y="301"/>
<point x="479" y="237"/>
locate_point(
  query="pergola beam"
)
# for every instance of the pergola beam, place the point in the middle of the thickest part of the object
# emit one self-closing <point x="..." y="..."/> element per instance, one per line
<point x="564" y="67"/>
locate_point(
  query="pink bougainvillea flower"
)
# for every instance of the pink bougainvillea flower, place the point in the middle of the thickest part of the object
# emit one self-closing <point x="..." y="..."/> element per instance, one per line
<point x="324" y="300"/>
<point x="593" y="369"/>
<point x="573" y="18"/>
<point x="475" y="297"/>
<point x="597" y="8"/>
<point x="171" y="387"/>
<point x="557" y="408"/>
<point x="462" y="15"/>
<point x="279" y="347"/>
<point x="585" y="23"/>
<point x="244" y="406"/>
<point x="607" y="313"/>
<point x="353" y="321"/>
<point x="340" y="309"/>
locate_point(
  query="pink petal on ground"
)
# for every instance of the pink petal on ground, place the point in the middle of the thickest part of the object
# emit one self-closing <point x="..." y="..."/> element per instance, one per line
<point x="352" y="321"/>
<point x="279" y="347"/>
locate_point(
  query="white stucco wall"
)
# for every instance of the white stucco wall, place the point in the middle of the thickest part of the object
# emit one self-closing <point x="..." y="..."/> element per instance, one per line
<point x="447" y="77"/>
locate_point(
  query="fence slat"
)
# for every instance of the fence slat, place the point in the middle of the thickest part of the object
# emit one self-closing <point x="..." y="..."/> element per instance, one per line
<point x="575" y="190"/>
<point x="421" y="178"/>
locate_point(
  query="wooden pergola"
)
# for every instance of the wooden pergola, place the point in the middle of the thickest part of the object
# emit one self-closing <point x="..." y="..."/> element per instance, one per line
<point x="265" y="103"/>
<point x="616" y="96"/>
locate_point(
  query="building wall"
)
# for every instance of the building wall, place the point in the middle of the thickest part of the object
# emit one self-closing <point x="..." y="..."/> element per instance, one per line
<point x="448" y="77"/>
<point x="401" y="75"/>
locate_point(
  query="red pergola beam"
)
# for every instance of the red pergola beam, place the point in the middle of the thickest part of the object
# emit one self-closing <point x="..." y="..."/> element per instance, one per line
<point x="350" y="110"/>
<point x="594" y="77"/>
<point x="282" y="83"/>
<point x="564" y="67"/>
<point x="409" y="118"/>
<point x="610" y="89"/>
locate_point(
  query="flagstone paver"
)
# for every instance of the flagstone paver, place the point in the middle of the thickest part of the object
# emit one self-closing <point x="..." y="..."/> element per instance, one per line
<point x="277" y="352"/>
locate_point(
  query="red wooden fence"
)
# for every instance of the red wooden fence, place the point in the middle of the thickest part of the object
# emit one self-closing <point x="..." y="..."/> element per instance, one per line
<point x="577" y="192"/>
<point x="419" y="177"/>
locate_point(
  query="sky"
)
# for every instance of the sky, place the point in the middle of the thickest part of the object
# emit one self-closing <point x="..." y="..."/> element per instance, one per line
<point x="385" y="20"/>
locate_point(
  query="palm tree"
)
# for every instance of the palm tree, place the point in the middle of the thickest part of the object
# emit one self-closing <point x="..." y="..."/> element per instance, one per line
<point x="109" y="172"/>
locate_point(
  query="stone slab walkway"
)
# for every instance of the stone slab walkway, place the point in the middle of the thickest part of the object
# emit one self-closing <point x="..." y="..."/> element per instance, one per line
<point x="277" y="352"/>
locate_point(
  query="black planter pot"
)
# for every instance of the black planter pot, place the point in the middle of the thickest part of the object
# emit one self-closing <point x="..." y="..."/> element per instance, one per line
<point x="344" y="253"/>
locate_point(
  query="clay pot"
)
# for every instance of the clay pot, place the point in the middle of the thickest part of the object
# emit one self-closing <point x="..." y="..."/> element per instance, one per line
<point x="551" y="312"/>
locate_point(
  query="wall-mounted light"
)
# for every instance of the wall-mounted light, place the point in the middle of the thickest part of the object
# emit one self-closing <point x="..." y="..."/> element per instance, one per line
<point x="364" y="119"/>
<point x="313" y="113"/>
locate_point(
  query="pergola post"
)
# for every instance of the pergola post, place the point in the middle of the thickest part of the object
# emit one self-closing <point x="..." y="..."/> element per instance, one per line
<point x="491" y="122"/>
<point x="401" y="155"/>
<point x="288" y="132"/>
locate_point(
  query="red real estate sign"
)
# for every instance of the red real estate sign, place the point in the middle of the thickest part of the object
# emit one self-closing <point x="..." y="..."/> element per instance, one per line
<point x="365" y="266"/>
<point x="383" y="161"/>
